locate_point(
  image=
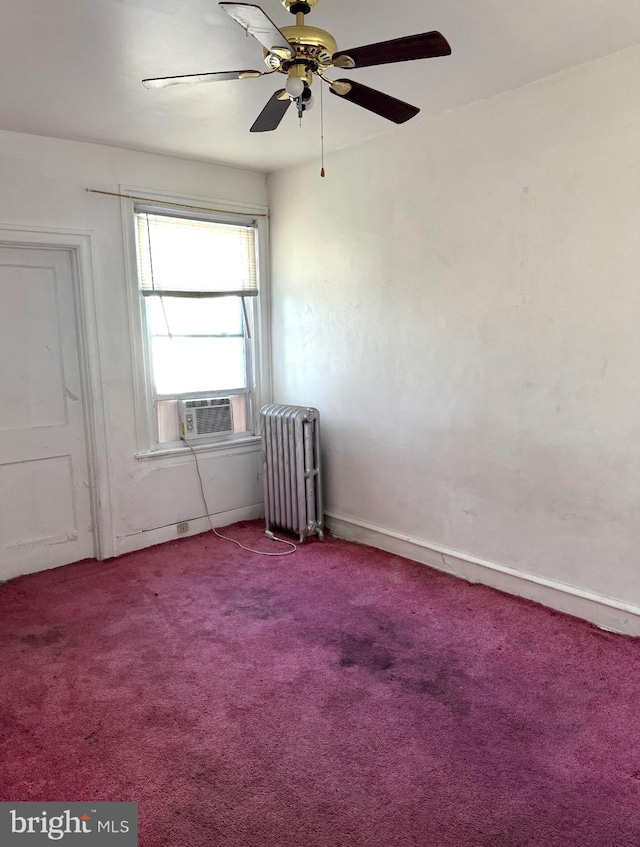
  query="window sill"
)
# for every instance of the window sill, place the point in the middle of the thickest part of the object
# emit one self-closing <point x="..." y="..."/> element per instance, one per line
<point x="251" y="444"/>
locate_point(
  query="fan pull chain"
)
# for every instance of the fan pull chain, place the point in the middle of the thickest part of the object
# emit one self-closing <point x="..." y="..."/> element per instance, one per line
<point x="322" y="128"/>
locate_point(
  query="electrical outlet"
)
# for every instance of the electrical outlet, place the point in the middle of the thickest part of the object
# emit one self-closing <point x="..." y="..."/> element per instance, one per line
<point x="183" y="527"/>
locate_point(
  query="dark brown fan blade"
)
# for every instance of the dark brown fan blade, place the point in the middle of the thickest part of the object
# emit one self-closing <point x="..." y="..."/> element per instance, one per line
<point x="193" y="79"/>
<point x="270" y="117"/>
<point x="375" y="101"/>
<point x="427" y="45"/>
<point x="258" y="24"/>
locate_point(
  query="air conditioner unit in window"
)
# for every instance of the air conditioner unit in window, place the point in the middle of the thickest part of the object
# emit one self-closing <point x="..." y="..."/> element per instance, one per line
<point x="205" y="416"/>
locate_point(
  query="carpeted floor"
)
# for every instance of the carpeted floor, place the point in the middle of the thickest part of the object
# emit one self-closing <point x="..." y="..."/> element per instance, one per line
<point x="339" y="697"/>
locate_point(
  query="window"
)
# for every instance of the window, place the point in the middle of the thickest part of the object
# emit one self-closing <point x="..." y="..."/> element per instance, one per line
<point x="198" y="286"/>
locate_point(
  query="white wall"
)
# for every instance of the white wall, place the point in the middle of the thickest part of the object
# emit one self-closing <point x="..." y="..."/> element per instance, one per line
<point x="42" y="184"/>
<point x="460" y="299"/>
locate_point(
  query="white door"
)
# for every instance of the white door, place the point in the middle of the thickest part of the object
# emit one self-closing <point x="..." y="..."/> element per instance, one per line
<point x="45" y="507"/>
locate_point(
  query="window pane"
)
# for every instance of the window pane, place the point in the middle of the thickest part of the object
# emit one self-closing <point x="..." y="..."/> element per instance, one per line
<point x="188" y="365"/>
<point x="202" y="316"/>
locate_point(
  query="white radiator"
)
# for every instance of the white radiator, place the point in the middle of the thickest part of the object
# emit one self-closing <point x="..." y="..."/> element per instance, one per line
<point x="292" y="480"/>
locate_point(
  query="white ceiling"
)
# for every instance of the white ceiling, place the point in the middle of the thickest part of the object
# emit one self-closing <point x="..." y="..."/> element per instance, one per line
<point x="72" y="68"/>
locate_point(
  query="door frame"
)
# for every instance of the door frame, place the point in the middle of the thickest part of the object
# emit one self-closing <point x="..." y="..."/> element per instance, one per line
<point x="79" y="246"/>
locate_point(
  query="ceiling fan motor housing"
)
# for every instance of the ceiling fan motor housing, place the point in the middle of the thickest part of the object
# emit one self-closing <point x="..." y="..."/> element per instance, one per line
<point x="314" y="49"/>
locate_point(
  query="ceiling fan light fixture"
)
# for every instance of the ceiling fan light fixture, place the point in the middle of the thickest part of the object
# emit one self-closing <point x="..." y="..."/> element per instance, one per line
<point x="295" y="86"/>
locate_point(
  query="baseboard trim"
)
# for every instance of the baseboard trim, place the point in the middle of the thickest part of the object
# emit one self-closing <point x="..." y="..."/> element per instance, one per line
<point x="159" y="535"/>
<point x="606" y="612"/>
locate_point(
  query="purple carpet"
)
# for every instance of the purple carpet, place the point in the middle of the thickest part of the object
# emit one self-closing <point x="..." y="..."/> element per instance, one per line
<point x="338" y="697"/>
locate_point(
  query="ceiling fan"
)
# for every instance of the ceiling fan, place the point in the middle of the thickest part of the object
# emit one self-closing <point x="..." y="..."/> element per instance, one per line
<point x="302" y="51"/>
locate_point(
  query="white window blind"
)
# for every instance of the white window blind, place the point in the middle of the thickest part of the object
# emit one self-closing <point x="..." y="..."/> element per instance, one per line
<point x="189" y="258"/>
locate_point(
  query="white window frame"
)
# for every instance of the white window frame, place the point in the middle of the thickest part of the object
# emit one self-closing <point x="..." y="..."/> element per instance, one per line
<point x="259" y="372"/>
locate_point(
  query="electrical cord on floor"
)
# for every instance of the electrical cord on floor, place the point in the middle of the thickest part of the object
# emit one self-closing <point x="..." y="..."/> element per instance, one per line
<point x="268" y="533"/>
